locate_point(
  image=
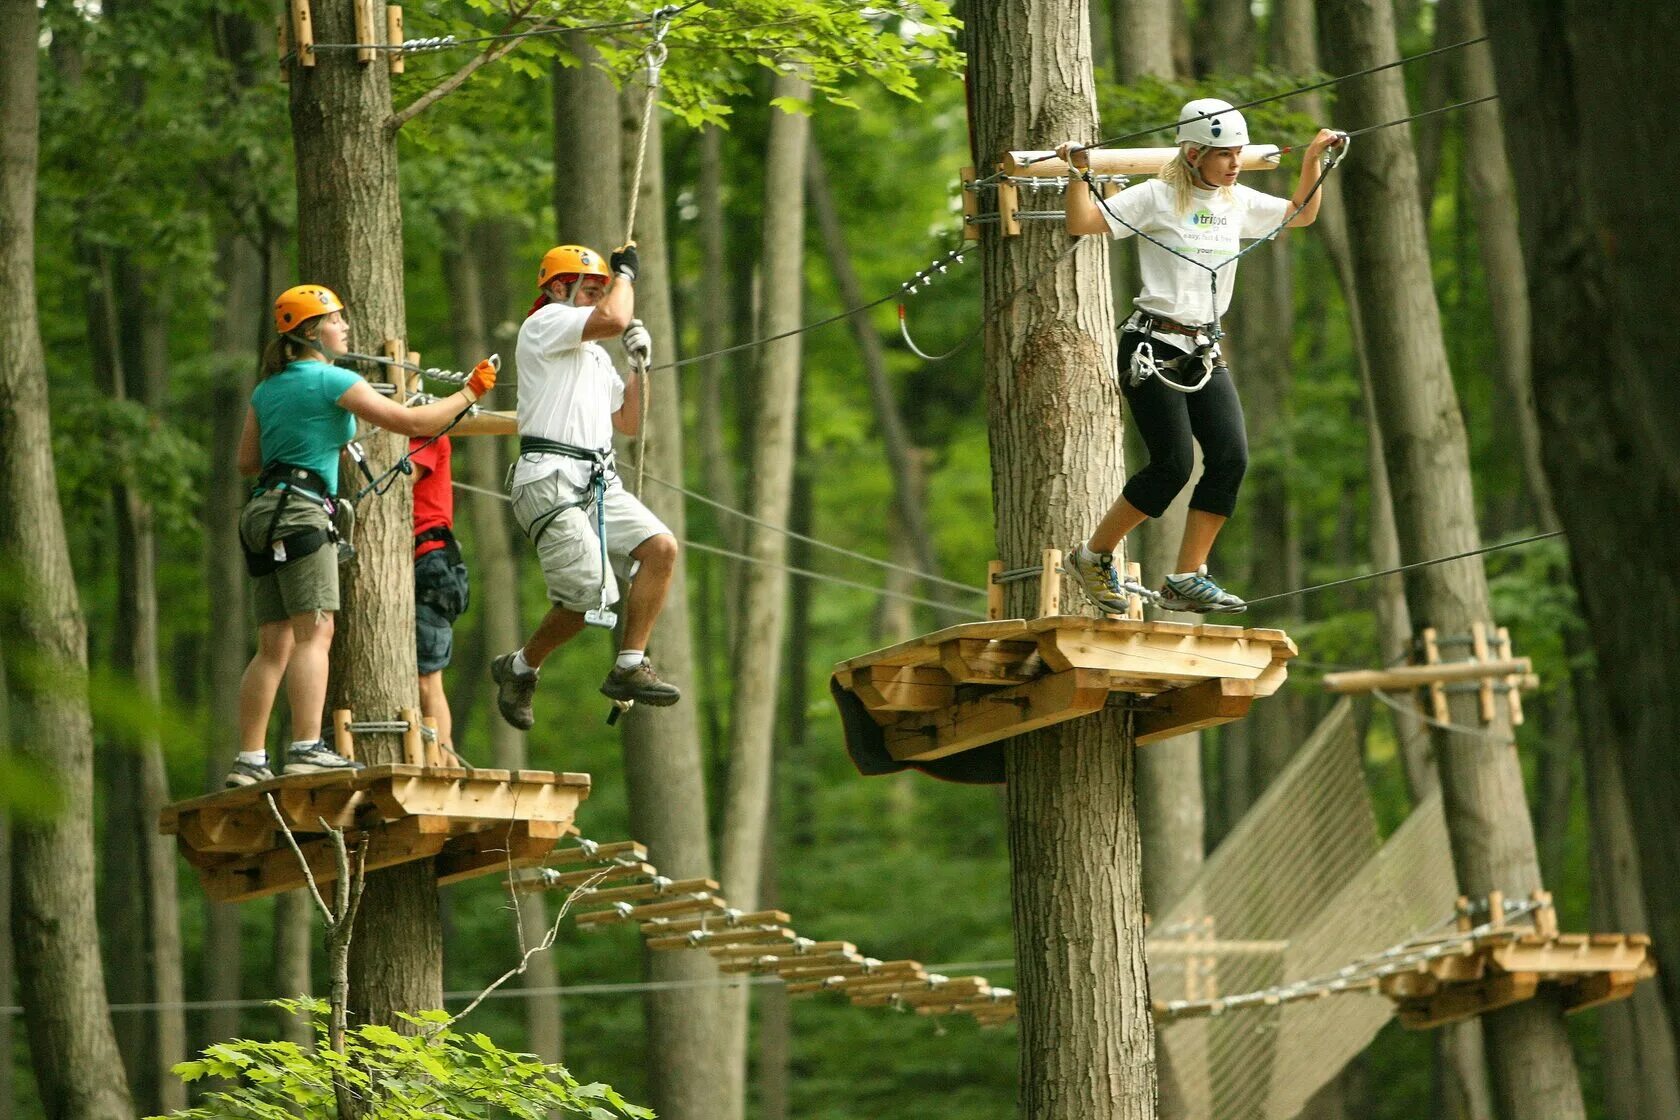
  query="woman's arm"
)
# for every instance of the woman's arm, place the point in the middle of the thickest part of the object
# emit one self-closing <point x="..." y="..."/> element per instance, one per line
<point x="422" y="420"/>
<point x="1308" y="206"/>
<point x="1083" y="216"/>
<point x="250" y="445"/>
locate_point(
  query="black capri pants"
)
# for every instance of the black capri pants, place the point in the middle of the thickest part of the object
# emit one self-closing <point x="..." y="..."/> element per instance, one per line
<point x="1169" y="420"/>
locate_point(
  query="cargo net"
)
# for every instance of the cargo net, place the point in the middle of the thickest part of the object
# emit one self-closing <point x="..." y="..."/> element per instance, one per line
<point x="1300" y="888"/>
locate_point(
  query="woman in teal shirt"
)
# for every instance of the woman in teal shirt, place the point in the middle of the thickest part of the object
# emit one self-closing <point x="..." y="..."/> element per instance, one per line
<point x="302" y="413"/>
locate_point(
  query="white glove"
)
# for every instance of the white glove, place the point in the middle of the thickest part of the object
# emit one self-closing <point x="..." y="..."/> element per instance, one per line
<point x="638" y="343"/>
<point x="1066" y="150"/>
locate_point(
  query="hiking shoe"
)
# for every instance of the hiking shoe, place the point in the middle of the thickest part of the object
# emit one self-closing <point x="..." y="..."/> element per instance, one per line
<point x="246" y="774"/>
<point x="1197" y="592"/>
<point x="317" y="758"/>
<point x="1101" y="581"/>
<point x="513" y="692"/>
<point x="640" y="683"/>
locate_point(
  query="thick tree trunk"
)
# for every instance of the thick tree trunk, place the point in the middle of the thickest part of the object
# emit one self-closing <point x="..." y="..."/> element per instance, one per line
<point x="1595" y="272"/>
<point x="54" y="928"/>
<point x="717" y="465"/>
<point x="1487" y="815"/>
<point x="1225" y="39"/>
<point x="1087" y="1037"/>
<point x="294" y="935"/>
<point x="350" y="239"/>
<point x="1141" y="32"/>
<point x="8" y="973"/>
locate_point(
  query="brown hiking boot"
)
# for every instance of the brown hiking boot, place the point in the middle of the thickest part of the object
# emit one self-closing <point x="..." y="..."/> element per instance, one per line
<point x="642" y="684"/>
<point x="513" y="692"/>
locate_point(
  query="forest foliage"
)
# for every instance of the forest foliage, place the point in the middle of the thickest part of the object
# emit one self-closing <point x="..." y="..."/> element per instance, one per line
<point x="158" y="149"/>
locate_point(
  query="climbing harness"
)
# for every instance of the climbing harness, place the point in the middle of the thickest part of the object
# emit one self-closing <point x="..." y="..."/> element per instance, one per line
<point x="603" y="470"/>
<point x="308" y="485"/>
<point x="1144" y="364"/>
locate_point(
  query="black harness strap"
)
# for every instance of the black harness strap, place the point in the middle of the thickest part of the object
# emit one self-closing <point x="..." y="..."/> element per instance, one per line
<point x="276" y="554"/>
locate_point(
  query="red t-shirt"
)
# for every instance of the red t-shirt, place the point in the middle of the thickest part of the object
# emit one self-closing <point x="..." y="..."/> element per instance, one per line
<point x="434" y="495"/>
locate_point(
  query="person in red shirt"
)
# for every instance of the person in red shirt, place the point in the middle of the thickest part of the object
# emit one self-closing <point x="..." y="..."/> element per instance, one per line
<point x="440" y="578"/>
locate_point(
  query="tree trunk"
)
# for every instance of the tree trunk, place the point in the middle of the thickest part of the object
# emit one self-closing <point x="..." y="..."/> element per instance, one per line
<point x="717" y="465"/>
<point x="1594" y="273"/>
<point x="350" y="239"/>
<point x="764" y="584"/>
<point x="8" y="973"/>
<point x="1225" y="38"/>
<point x="62" y="986"/>
<point x="1637" y="1044"/>
<point x="294" y="936"/>
<point x="1487" y="815"/>
<point x="1142" y="35"/>
<point x="695" y="1075"/>
<point x="1087" y="1044"/>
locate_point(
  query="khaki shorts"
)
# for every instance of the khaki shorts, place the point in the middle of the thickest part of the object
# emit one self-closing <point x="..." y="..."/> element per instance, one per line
<point x="304" y="586"/>
<point x="569" y="550"/>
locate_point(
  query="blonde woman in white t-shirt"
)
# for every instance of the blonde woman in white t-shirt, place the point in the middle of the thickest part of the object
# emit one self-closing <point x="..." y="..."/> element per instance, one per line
<point x="1191" y="220"/>
<point x="588" y="530"/>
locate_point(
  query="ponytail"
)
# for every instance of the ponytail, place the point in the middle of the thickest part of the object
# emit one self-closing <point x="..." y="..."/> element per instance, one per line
<point x="284" y="349"/>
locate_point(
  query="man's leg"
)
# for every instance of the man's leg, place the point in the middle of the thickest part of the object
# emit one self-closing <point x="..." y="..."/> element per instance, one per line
<point x="658" y="559"/>
<point x="558" y="627"/>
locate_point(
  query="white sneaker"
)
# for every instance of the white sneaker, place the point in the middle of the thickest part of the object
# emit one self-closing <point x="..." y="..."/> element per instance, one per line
<point x="317" y="757"/>
<point x="1197" y="592"/>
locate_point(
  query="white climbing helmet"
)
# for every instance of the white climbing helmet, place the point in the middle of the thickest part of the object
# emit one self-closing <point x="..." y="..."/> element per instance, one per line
<point x="1220" y="125"/>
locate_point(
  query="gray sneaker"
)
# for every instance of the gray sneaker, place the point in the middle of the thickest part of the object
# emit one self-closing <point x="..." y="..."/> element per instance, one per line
<point x="513" y="692"/>
<point x="1197" y="592"/>
<point x="1101" y="581"/>
<point x="640" y="683"/>
<point x="246" y="774"/>
<point x="317" y="758"/>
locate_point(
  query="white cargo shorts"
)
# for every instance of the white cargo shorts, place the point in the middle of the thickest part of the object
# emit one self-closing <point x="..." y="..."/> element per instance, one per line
<point x="569" y="548"/>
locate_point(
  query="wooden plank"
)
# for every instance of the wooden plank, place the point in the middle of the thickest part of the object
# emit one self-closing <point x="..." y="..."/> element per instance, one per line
<point x="248" y="830"/>
<point x="521" y="844"/>
<point x="476" y="798"/>
<point x="701" y="903"/>
<point x="1125" y="161"/>
<point x="999" y="715"/>
<point x="1480" y="651"/>
<point x="994" y="661"/>
<point x="303" y="32"/>
<point x="994" y="568"/>
<point x="1134" y="603"/>
<point x="1050" y="584"/>
<point x="756" y="917"/>
<point x="640" y="891"/>
<point x="343" y="742"/>
<point x="1207" y="704"/>
<point x="1461" y="1002"/>
<point x="487" y="423"/>
<point x="364" y="31"/>
<point x="394" y="35"/>
<point x="884" y="972"/>
<point x="1437" y="694"/>
<point x="801" y="949"/>
<point x="1566" y="955"/>
<point x="1513" y="684"/>
<point x="1008" y="202"/>
<point x="705" y="939"/>
<point x="627" y="849"/>
<point x="1598" y="989"/>
<point x="277" y="869"/>
<point x="1156" y="654"/>
<point x="970" y="206"/>
<point x="903" y="688"/>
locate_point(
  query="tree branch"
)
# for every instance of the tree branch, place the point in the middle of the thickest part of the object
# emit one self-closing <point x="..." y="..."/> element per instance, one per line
<point x="454" y="82"/>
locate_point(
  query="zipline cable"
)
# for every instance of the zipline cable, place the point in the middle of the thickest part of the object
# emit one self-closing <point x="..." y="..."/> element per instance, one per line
<point x="1497" y="547"/>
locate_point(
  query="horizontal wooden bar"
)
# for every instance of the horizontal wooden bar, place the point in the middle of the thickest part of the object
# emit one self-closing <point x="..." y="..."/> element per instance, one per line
<point x="1126" y="161"/>
<point x="1419" y="676"/>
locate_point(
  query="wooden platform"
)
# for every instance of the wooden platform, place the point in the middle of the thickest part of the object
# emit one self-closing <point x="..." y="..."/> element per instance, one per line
<point x="474" y="822"/>
<point x="977" y="683"/>
<point x="1586" y="969"/>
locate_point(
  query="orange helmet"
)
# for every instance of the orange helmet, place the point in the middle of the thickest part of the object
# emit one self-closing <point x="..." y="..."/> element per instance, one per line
<point x="571" y="260"/>
<point x="300" y="304"/>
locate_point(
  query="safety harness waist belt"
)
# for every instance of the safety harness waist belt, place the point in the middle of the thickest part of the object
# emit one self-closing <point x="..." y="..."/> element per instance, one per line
<point x="602" y="465"/>
<point x="276" y="553"/>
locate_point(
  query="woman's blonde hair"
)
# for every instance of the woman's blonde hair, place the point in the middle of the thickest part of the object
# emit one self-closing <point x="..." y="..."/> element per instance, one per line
<point x="284" y="349"/>
<point x="1180" y="174"/>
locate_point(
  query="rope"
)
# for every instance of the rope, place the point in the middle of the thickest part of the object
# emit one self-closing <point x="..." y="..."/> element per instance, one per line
<point x="806" y="573"/>
<point x="1113" y="140"/>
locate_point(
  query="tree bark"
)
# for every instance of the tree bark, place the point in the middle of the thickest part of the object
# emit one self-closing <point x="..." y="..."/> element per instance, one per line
<point x="62" y="986"/>
<point x="8" y="973"/>
<point x="350" y="239"/>
<point x="695" y="1074"/>
<point x="764" y="583"/>
<point x="1487" y="815"/>
<point x="1087" y="1044"/>
<point x="716" y="463"/>
<point x="1594" y="273"/>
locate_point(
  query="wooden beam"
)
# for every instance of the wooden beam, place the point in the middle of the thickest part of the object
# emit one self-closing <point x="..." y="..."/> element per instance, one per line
<point x="1050" y="584"/>
<point x="903" y="688"/>
<point x="985" y="660"/>
<point x="520" y="844"/>
<point x="277" y="869"/>
<point x="998" y="715"/>
<point x="1166" y="652"/>
<point x="994" y="589"/>
<point x="394" y="35"/>
<point x="701" y="903"/>
<point x="688" y="925"/>
<point x="1420" y="676"/>
<point x="628" y="849"/>
<point x="1192" y="708"/>
<point x="478" y="797"/>
<point x="485" y="423"/>
<point x="364" y="31"/>
<point x="1008" y="202"/>
<point x="970" y="206"/>
<point x="303" y="32"/>
<point x="1126" y="161"/>
<point x="1464" y="1001"/>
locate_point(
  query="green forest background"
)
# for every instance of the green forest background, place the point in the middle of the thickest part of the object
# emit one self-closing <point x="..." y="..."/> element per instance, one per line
<point x="139" y="118"/>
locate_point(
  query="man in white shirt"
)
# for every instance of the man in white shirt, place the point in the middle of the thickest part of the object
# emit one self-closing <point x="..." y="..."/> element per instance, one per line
<point x="589" y="531"/>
